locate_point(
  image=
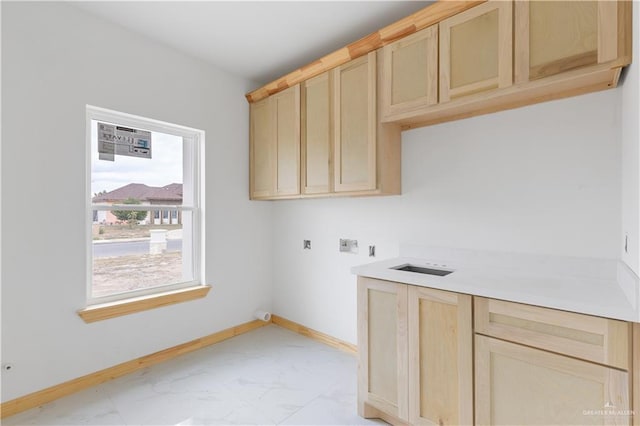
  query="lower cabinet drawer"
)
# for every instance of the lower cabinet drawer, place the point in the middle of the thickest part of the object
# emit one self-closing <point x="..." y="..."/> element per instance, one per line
<point x="595" y="339"/>
<point x="519" y="385"/>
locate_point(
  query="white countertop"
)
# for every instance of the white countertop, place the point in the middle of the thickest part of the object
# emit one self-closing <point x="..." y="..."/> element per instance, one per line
<point x="605" y="288"/>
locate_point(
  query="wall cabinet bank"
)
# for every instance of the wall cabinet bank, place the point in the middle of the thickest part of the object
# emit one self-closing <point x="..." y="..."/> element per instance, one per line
<point x="429" y="356"/>
<point x="332" y="128"/>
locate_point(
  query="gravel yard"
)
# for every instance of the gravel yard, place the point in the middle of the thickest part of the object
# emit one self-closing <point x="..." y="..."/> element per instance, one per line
<point x="133" y="272"/>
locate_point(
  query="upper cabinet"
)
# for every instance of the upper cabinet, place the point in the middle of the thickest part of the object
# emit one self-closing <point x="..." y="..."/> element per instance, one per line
<point x="332" y="128"/>
<point x="410" y="72"/>
<point x="262" y="150"/>
<point x="316" y="142"/>
<point x="556" y="36"/>
<point x="355" y="125"/>
<point x="275" y="145"/>
<point x="475" y="50"/>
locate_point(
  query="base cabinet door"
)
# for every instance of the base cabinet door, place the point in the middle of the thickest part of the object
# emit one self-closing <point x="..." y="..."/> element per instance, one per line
<point x="520" y="385"/>
<point x="382" y="343"/>
<point x="440" y="358"/>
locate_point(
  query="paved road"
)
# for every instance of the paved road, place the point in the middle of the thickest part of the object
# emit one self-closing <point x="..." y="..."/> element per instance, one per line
<point x="121" y="248"/>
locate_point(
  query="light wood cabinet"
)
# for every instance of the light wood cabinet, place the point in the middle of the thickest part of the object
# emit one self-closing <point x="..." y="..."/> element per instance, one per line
<point x="355" y="123"/>
<point x="325" y="138"/>
<point x="556" y="36"/>
<point x="382" y="343"/>
<point x="476" y="50"/>
<point x="410" y="73"/>
<point x="440" y="357"/>
<point x="542" y="366"/>
<point x="516" y="384"/>
<point x="415" y="354"/>
<point x="261" y="149"/>
<point x="316" y="138"/>
<point x="595" y="339"/>
<point x="275" y="145"/>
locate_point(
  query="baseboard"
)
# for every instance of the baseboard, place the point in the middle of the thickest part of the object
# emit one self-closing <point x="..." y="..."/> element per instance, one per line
<point x="52" y="393"/>
<point x="315" y="335"/>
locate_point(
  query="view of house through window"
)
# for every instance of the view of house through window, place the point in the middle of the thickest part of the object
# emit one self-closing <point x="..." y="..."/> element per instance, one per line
<point x="144" y="209"/>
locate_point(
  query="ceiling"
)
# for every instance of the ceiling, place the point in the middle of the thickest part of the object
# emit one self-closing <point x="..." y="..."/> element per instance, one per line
<point x="258" y="40"/>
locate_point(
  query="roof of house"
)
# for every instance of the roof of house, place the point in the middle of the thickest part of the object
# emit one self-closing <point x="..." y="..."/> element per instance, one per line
<point x="142" y="192"/>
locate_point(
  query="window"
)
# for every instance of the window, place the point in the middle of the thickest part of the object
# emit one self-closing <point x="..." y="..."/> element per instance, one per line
<point x="141" y="172"/>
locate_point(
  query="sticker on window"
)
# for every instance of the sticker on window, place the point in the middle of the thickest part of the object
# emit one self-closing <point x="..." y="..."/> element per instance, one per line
<point x="118" y="140"/>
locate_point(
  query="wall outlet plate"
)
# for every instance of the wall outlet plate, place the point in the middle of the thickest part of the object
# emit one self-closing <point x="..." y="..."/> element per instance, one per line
<point x="306" y="244"/>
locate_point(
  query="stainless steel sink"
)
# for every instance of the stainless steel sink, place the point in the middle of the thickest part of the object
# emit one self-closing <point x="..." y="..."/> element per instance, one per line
<point x="422" y="270"/>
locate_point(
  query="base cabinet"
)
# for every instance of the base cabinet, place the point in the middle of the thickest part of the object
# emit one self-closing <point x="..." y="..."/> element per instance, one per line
<point x="434" y="357"/>
<point x="440" y="357"/>
<point x="382" y="339"/>
<point x="516" y="384"/>
<point x="415" y="354"/>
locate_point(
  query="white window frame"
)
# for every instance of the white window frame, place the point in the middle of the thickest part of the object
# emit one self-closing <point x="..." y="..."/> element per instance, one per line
<point x="193" y="201"/>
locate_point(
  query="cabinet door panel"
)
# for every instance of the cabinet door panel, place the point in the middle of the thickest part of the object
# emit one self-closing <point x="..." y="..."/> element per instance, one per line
<point x="355" y="125"/>
<point x="556" y="36"/>
<point x="287" y="106"/>
<point x="316" y="135"/>
<point x="476" y="50"/>
<point x="382" y="334"/>
<point x="262" y="149"/>
<point x="520" y="385"/>
<point x="410" y="72"/>
<point x="441" y="358"/>
<point x="596" y="339"/>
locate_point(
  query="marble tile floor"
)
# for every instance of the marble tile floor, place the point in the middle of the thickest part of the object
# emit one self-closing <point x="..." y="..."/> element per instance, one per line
<point x="269" y="376"/>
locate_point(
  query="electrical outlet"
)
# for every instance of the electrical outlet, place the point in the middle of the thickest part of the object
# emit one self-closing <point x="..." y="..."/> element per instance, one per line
<point x="306" y="244"/>
<point x="372" y="251"/>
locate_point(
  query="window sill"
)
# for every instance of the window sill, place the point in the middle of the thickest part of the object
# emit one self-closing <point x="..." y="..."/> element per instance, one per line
<point x="118" y="308"/>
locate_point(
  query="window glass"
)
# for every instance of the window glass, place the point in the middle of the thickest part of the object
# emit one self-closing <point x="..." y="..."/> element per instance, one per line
<point x="132" y="252"/>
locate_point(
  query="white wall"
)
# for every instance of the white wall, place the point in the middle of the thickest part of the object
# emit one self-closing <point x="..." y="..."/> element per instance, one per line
<point x="55" y="60"/>
<point x="630" y="128"/>
<point x="543" y="179"/>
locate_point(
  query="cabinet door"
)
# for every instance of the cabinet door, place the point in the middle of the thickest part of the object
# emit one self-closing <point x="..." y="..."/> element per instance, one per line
<point x="316" y="135"/>
<point x="440" y="358"/>
<point x="262" y="152"/>
<point x="355" y="125"/>
<point x="556" y="36"/>
<point x="476" y="50"/>
<point x="595" y="339"/>
<point x="382" y="347"/>
<point x="410" y="72"/>
<point x="287" y="137"/>
<point x="520" y="385"/>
